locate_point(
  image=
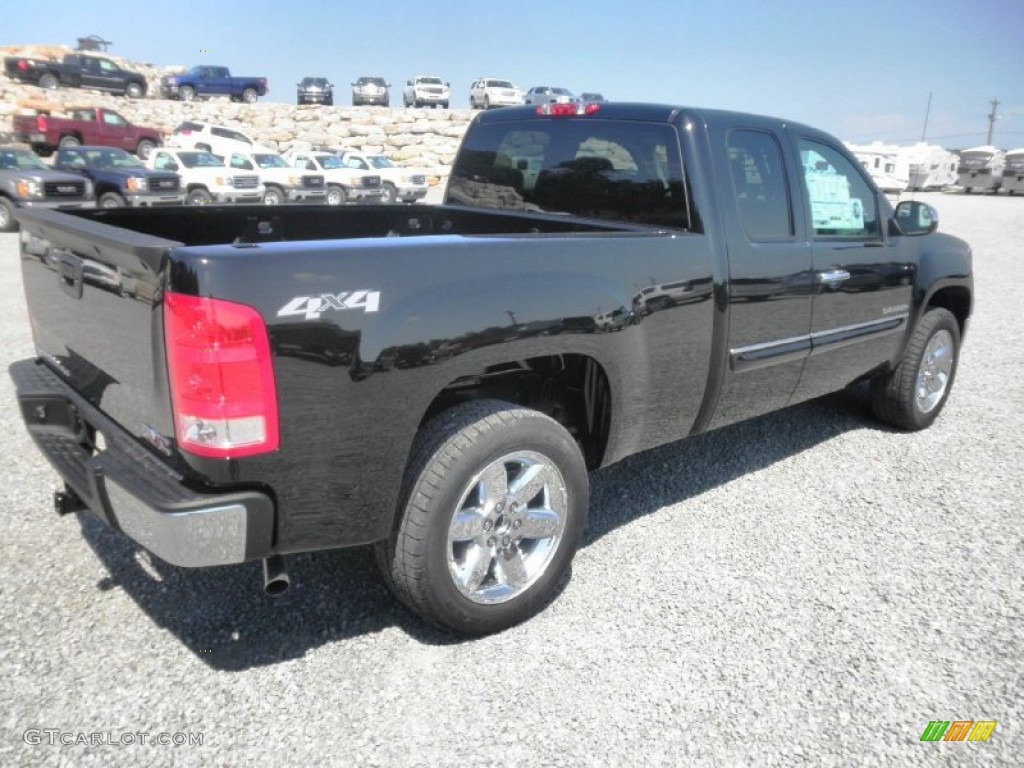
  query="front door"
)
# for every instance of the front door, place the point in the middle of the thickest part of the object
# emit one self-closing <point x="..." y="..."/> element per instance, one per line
<point x="863" y="279"/>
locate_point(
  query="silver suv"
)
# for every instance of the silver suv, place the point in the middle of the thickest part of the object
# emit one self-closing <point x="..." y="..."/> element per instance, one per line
<point x="370" y="90"/>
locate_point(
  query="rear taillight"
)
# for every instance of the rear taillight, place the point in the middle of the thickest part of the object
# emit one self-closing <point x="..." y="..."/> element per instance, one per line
<point x="567" y="110"/>
<point x="41" y="123"/>
<point x="22" y="65"/>
<point x="221" y="378"/>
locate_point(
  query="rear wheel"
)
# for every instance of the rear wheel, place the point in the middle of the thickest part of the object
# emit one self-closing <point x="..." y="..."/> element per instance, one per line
<point x="49" y="81"/>
<point x="111" y="200"/>
<point x="69" y="141"/>
<point x="493" y="505"/>
<point x="7" y="221"/>
<point x="913" y="394"/>
<point x="249" y="95"/>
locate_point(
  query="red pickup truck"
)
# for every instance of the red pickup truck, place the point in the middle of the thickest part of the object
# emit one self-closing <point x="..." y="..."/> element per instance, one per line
<point x="87" y="125"/>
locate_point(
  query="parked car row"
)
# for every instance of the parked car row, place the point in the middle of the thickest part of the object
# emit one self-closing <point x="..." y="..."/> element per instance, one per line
<point x="431" y="91"/>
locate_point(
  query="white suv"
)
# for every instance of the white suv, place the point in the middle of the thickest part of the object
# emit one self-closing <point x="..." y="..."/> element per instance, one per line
<point x="205" y="177"/>
<point x="282" y="183"/>
<point x="490" y="92"/>
<point x="218" y="139"/>
<point x="343" y="184"/>
<point x="424" y="91"/>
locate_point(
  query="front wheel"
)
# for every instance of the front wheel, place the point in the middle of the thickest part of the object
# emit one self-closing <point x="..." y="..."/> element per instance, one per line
<point x="188" y="93"/>
<point x="7" y="221"/>
<point x="335" y="195"/>
<point x="913" y="394"/>
<point x="493" y="505"/>
<point x="145" y="148"/>
<point x="389" y="194"/>
<point x="199" y="196"/>
<point x="134" y="90"/>
<point x="274" y="196"/>
<point x="111" y="200"/>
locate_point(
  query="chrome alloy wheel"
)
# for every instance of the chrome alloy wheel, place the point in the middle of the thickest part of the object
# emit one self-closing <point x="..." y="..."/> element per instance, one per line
<point x="507" y="527"/>
<point x="933" y="375"/>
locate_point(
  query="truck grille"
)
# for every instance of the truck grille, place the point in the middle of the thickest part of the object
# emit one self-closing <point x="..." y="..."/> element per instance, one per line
<point x="164" y="183"/>
<point x="312" y="182"/>
<point x="418" y="179"/>
<point x="245" y="182"/>
<point x="64" y="188"/>
<point x="369" y="182"/>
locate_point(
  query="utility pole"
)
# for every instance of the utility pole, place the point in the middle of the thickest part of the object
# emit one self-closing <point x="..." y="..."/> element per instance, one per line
<point x="992" y="120"/>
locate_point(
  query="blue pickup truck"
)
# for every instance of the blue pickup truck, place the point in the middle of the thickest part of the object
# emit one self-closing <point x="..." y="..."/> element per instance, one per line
<point x="119" y="178"/>
<point x="206" y="80"/>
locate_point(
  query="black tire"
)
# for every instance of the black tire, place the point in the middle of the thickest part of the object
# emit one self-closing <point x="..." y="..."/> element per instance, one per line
<point x="187" y="93"/>
<point x="335" y="195"/>
<point x="145" y="148"/>
<point x="199" y="196"/>
<point x="134" y="90"/>
<point x="913" y="394"/>
<point x="389" y="194"/>
<point x="69" y="141"/>
<point x="249" y="95"/>
<point x="421" y="560"/>
<point x="49" y="81"/>
<point x="274" y="195"/>
<point x="487" y="103"/>
<point x="111" y="200"/>
<point x="7" y="221"/>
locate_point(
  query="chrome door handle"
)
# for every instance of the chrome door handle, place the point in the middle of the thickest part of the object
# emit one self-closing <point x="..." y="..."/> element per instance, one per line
<point x="833" y="277"/>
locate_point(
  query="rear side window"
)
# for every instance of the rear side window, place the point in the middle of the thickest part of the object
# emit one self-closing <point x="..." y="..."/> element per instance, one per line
<point x="601" y="169"/>
<point x="759" y="185"/>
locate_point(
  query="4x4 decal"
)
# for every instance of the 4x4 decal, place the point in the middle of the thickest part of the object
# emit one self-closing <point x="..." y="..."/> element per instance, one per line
<point x="311" y="307"/>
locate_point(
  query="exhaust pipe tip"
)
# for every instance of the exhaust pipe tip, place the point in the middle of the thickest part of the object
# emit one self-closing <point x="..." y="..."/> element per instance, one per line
<point x="275" y="576"/>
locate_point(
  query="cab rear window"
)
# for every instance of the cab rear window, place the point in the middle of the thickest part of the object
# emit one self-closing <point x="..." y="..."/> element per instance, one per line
<point x="601" y="169"/>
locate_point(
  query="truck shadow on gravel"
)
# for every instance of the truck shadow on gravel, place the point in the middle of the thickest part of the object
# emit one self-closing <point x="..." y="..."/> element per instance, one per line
<point x="222" y="615"/>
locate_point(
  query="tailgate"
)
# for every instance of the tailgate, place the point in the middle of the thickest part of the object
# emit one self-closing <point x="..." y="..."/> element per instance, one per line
<point x="91" y="291"/>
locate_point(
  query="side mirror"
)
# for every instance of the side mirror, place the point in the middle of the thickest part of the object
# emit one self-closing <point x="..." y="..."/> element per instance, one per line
<point x="915" y="218"/>
<point x="408" y="82"/>
<point x="171" y="166"/>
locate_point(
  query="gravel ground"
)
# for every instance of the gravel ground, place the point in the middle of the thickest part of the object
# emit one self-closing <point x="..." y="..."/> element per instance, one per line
<point x="805" y="588"/>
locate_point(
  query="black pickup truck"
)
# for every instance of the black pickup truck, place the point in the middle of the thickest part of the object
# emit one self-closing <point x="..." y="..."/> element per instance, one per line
<point x="438" y="380"/>
<point x="76" y="71"/>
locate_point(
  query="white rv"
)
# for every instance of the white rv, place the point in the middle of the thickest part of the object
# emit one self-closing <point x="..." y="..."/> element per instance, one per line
<point x="930" y="166"/>
<point x="889" y="170"/>
<point x="981" y="168"/>
<point x="1013" y="171"/>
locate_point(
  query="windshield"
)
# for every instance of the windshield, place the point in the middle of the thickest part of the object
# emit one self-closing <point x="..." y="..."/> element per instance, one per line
<point x="562" y="91"/>
<point x="499" y="84"/>
<point x="329" y="162"/>
<point x="319" y="82"/>
<point x="600" y="169"/>
<point x="379" y="161"/>
<point x="20" y="160"/>
<point x="430" y="80"/>
<point x="371" y="81"/>
<point x="200" y="160"/>
<point x="270" y="161"/>
<point x="111" y="158"/>
<point x="975" y="159"/>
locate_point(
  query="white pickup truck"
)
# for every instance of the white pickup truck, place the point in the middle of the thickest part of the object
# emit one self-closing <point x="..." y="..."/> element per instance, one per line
<point x="405" y="185"/>
<point x="282" y="183"/>
<point x="205" y="178"/>
<point x="343" y="184"/>
<point x="424" y="91"/>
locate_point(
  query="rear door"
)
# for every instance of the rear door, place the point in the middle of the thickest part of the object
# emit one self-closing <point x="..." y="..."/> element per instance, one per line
<point x="863" y="280"/>
<point x="769" y="272"/>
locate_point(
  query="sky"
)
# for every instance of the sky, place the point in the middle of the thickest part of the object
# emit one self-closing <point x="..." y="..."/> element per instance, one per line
<point x="863" y="71"/>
